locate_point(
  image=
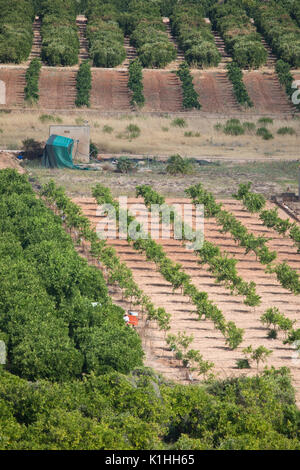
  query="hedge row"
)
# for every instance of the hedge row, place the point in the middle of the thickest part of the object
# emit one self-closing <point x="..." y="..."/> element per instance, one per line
<point x="83" y="85"/>
<point x="152" y="44"/>
<point x="235" y="75"/>
<point x="286" y="79"/>
<point x="60" y="40"/>
<point x="32" y="81"/>
<point x="242" y="40"/>
<point x="194" y="36"/>
<point x="190" y="96"/>
<point x="16" y="17"/>
<point x="281" y="32"/>
<point x="135" y="82"/>
<point x="142" y="21"/>
<point x="105" y="37"/>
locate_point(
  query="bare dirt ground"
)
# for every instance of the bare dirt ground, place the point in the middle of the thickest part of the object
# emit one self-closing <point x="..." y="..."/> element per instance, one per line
<point x="14" y="80"/>
<point x="162" y="91"/>
<point x="206" y="339"/>
<point x="9" y="160"/>
<point x="266" y="93"/>
<point x="215" y="92"/>
<point x="110" y="91"/>
<point x="57" y="88"/>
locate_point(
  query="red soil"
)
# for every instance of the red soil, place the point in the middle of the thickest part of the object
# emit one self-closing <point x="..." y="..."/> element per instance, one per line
<point x="14" y="79"/>
<point x="215" y="92"/>
<point x="57" y="88"/>
<point x="162" y="91"/>
<point x="110" y="91"/>
<point x="266" y="93"/>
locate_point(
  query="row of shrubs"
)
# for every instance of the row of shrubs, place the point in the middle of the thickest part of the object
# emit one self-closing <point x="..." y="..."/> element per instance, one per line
<point x="135" y="83"/>
<point x="16" y="17"/>
<point x="286" y="79"/>
<point x="32" y="75"/>
<point x="190" y="96"/>
<point x="235" y="75"/>
<point x="105" y="37"/>
<point x="241" y="38"/>
<point x="194" y="36"/>
<point x="60" y="40"/>
<point x="281" y="32"/>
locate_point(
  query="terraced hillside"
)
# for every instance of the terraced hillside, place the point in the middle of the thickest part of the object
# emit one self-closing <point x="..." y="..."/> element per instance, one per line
<point x="184" y="318"/>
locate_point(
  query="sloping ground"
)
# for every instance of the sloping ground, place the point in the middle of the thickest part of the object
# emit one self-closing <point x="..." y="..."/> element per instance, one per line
<point x="81" y="23"/>
<point x="14" y="79"/>
<point x="215" y="92"/>
<point x="267" y="94"/>
<point x="180" y="55"/>
<point x="110" y="91"/>
<point x="162" y="91"/>
<point x="37" y="40"/>
<point x="9" y="160"/>
<point x="208" y="340"/>
<point x="57" y="88"/>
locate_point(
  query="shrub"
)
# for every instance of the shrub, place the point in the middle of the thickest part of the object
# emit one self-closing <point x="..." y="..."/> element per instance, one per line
<point x="133" y="131"/>
<point x="248" y="126"/>
<point x="286" y="131"/>
<point x="265" y="120"/>
<point x="178" y="165"/>
<point x="264" y="133"/>
<point x="179" y="122"/>
<point x="49" y="118"/>
<point x="125" y="165"/>
<point x="83" y="85"/>
<point x="32" y="81"/>
<point x="32" y="149"/>
<point x="93" y="150"/>
<point x="232" y="128"/>
<point x="107" y="129"/>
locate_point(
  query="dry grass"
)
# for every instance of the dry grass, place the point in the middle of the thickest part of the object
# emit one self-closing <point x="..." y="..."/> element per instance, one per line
<point x="154" y="138"/>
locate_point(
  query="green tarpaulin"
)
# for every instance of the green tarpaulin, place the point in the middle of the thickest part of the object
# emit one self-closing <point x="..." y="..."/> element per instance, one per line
<point x="58" y="153"/>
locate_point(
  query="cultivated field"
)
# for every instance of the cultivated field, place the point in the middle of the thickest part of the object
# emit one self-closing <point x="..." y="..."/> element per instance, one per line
<point x="208" y="340"/>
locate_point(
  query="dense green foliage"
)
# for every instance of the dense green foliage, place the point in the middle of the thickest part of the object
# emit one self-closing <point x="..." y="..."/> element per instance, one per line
<point x="143" y="23"/>
<point x="16" y="17"/>
<point x="60" y="40"/>
<point x="286" y="79"/>
<point x="242" y="40"/>
<point x="106" y="39"/>
<point x="84" y="85"/>
<point x="279" y="29"/>
<point x="32" y="81"/>
<point x="190" y="96"/>
<point x="53" y="331"/>
<point x="235" y="75"/>
<point x="135" y="83"/>
<point x="141" y="411"/>
<point x="194" y="35"/>
<point x="53" y="334"/>
<point x="177" y="165"/>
